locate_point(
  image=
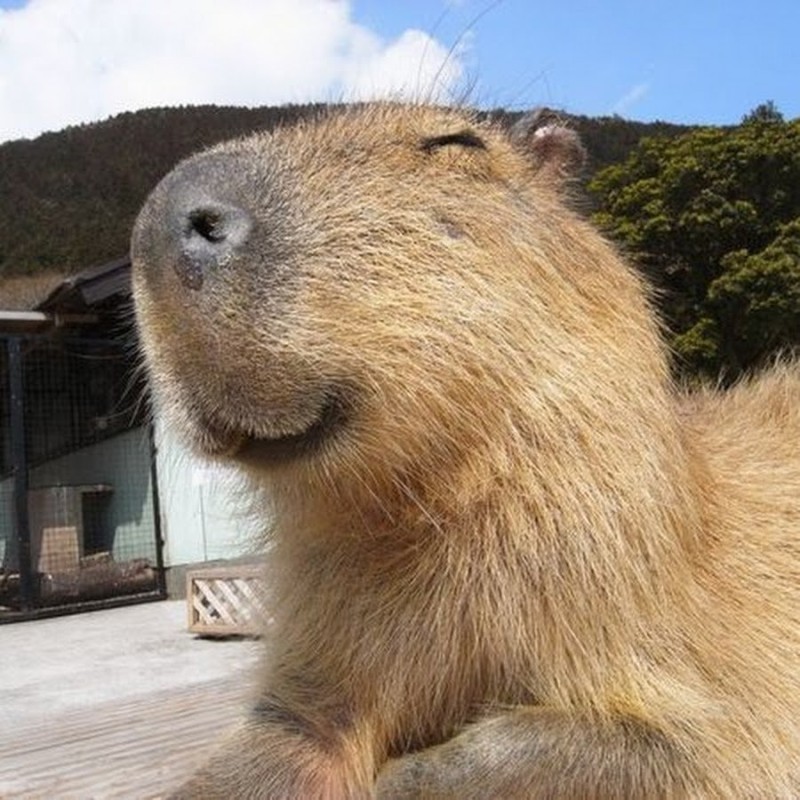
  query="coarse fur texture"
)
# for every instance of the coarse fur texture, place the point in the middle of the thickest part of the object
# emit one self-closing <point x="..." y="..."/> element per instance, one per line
<point x="509" y="558"/>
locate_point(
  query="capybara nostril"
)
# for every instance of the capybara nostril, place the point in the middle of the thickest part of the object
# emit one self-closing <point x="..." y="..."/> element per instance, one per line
<point x="208" y="223"/>
<point x="211" y="235"/>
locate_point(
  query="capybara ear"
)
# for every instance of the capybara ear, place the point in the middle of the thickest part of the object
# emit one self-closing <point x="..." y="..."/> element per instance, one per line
<point x="553" y="147"/>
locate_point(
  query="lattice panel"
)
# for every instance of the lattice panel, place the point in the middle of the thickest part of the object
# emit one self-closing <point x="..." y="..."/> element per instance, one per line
<point x="226" y="601"/>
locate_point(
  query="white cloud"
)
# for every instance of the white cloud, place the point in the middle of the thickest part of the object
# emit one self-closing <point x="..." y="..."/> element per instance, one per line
<point x="64" y="62"/>
<point x="630" y="98"/>
<point x="414" y="65"/>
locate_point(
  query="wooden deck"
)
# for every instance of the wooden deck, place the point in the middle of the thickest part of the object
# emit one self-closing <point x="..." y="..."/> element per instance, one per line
<point x="133" y="750"/>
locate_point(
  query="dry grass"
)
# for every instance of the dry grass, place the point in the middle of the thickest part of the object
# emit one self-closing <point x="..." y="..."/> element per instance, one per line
<point x="25" y="292"/>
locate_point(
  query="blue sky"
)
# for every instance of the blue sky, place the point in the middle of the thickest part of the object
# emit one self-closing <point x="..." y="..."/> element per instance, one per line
<point x="66" y="62"/>
<point x="695" y="61"/>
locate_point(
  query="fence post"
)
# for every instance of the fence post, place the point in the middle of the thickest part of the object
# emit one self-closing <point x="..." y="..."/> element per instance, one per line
<point x="161" y="575"/>
<point x="19" y="468"/>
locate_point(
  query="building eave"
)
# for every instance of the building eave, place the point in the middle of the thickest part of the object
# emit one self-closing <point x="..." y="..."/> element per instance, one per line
<point x="80" y="293"/>
<point x="28" y="322"/>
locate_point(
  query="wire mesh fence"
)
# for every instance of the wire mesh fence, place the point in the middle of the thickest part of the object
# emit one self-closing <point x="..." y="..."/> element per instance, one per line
<point x="78" y="495"/>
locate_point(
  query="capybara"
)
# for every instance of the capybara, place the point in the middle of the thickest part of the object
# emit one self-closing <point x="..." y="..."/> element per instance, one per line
<point x="508" y="557"/>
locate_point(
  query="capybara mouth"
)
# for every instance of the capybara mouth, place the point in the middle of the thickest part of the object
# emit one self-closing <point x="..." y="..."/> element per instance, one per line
<point x="253" y="448"/>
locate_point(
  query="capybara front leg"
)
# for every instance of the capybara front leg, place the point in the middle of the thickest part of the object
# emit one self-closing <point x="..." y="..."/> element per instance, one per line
<point x="272" y="761"/>
<point x="540" y="753"/>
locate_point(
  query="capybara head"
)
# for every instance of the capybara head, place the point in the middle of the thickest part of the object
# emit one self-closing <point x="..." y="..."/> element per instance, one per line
<point x="381" y="292"/>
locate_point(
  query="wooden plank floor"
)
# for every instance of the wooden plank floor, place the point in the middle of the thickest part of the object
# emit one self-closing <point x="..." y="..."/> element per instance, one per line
<point x="133" y="750"/>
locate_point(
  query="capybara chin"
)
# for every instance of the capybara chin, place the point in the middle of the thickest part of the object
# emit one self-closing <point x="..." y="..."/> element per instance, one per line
<point x="508" y="558"/>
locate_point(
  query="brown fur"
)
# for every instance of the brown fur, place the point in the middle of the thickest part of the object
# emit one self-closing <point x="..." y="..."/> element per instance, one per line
<point x="518" y="563"/>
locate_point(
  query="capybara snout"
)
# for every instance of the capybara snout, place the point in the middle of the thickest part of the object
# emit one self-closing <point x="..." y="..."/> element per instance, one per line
<point x="201" y="220"/>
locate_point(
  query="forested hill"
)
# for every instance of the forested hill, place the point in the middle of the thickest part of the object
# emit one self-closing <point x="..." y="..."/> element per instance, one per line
<point x="68" y="199"/>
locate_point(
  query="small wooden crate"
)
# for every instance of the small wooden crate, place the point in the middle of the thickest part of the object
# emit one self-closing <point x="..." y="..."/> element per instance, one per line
<point x="226" y="601"/>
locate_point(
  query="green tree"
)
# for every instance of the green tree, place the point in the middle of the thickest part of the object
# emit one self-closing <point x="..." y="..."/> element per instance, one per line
<point x="757" y="296"/>
<point x="711" y="217"/>
<point x="765" y="112"/>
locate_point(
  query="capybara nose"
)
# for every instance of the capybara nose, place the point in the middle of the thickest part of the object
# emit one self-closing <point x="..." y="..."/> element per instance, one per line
<point x="211" y="234"/>
<point x="195" y="223"/>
